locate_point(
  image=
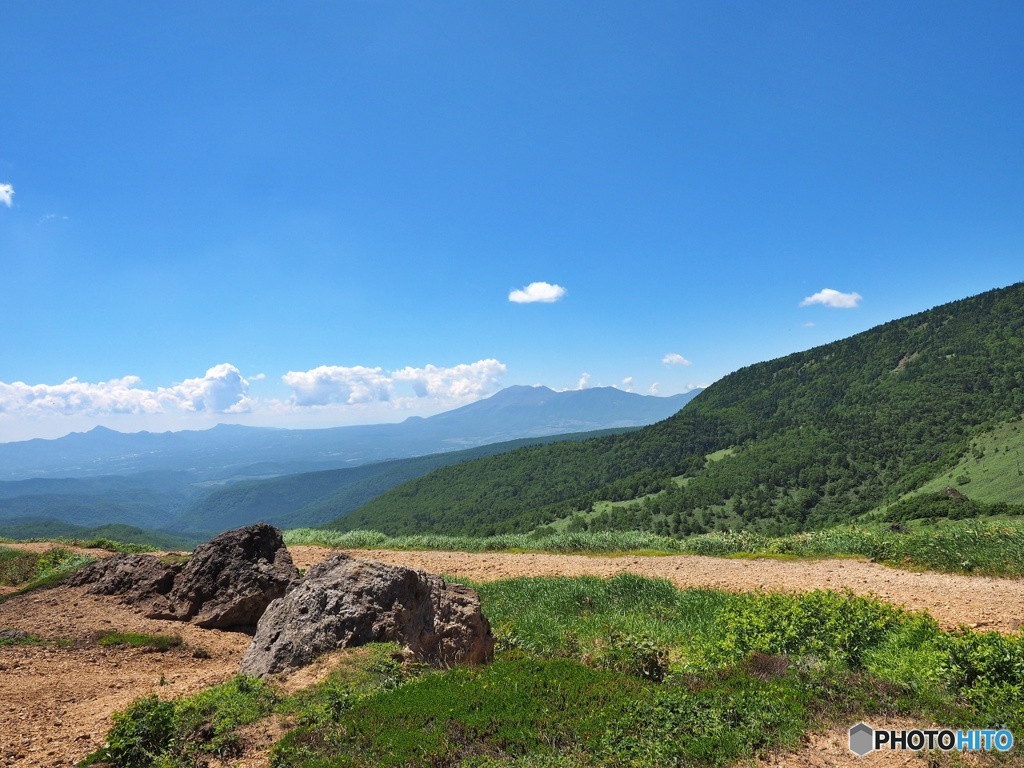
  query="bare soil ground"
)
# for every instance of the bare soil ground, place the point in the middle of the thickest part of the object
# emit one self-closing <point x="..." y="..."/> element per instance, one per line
<point x="56" y="701"/>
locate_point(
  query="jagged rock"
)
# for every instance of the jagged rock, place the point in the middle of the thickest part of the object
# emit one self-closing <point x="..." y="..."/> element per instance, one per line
<point x="346" y="602"/>
<point x="229" y="581"/>
<point x="226" y="584"/>
<point x="142" y="581"/>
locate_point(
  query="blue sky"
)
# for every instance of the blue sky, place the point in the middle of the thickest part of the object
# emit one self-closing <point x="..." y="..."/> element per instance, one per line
<point x="304" y="214"/>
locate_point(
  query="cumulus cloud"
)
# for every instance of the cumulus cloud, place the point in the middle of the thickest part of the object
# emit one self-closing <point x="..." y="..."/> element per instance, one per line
<point x="460" y="382"/>
<point x="221" y="390"/>
<point x="584" y="381"/>
<point x="359" y="385"/>
<point x="627" y="384"/>
<point x="674" y="358"/>
<point x="829" y="297"/>
<point x="537" y="292"/>
<point x="330" y="384"/>
<point x="6" y="195"/>
<point x="653" y="389"/>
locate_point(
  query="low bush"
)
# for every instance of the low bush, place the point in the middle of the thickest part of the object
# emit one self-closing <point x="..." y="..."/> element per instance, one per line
<point x="825" y="625"/>
<point x="182" y="733"/>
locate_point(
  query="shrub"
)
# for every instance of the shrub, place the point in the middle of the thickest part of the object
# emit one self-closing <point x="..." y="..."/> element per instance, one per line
<point x="986" y="670"/>
<point x="826" y="625"/>
<point x="141" y="733"/>
<point x="634" y="655"/>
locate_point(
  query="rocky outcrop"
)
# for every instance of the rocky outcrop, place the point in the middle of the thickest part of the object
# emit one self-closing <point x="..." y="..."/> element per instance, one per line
<point x="226" y="584"/>
<point x="230" y="580"/>
<point x="141" y="581"/>
<point x="344" y="602"/>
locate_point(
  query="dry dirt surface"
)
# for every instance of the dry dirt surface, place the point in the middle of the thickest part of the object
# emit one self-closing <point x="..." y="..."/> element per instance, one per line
<point x="56" y="701"/>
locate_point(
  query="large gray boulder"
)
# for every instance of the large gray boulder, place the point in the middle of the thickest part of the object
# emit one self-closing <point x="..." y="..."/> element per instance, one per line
<point x="345" y="602"/>
<point x="226" y="584"/>
<point x="229" y="581"/>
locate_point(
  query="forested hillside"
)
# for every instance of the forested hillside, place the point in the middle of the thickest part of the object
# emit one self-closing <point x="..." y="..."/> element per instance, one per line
<point x="312" y="498"/>
<point x="817" y="437"/>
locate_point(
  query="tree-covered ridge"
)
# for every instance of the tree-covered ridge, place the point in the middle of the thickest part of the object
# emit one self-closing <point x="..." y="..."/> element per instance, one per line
<point x="819" y="436"/>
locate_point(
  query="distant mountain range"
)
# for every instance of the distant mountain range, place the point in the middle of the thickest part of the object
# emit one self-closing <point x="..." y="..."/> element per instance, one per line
<point x="233" y="452"/>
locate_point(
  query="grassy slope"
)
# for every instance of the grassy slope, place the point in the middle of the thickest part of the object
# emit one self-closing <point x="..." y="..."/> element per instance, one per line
<point x="992" y="468"/>
<point x="818" y="437"/>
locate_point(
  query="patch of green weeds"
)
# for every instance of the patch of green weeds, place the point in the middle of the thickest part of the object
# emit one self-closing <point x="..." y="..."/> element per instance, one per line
<point x="186" y="732"/>
<point x="17" y="566"/>
<point x="511" y="708"/>
<point x="33" y="570"/>
<point x="986" y="670"/>
<point x="830" y="626"/>
<point x="111" y="545"/>
<point x="634" y="655"/>
<point x="139" y="640"/>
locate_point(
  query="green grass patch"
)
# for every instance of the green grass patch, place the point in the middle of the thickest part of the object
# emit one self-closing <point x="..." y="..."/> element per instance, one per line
<point x="555" y="709"/>
<point x="185" y="732"/>
<point x="121" y="547"/>
<point x="991" y="470"/>
<point x="139" y="640"/>
<point x="17" y="566"/>
<point x="10" y="637"/>
<point x="32" y="570"/>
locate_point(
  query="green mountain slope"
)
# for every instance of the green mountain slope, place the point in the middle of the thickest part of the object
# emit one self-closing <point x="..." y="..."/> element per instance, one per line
<point x="818" y="436"/>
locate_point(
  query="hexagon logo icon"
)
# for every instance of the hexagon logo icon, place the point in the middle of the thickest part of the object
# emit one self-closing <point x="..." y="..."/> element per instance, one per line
<point x="862" y="737"/>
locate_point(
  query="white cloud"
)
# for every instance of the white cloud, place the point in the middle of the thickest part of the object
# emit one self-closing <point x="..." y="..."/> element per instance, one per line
<point x="584" y="381"/>
<point x="7" y="195"/>
<point x="627" y="383"/>
<point x="829" y="297"/>
<point x="359" y="385"/>
<point x="537" y="292"/>
<point x="653" y="389"/>
<point x="808" y="325"/>
<point x="221" y="390"/>
<point x="674" y="358"/>
<point x="329" y="384"/>
<point x="457" y="383"/>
